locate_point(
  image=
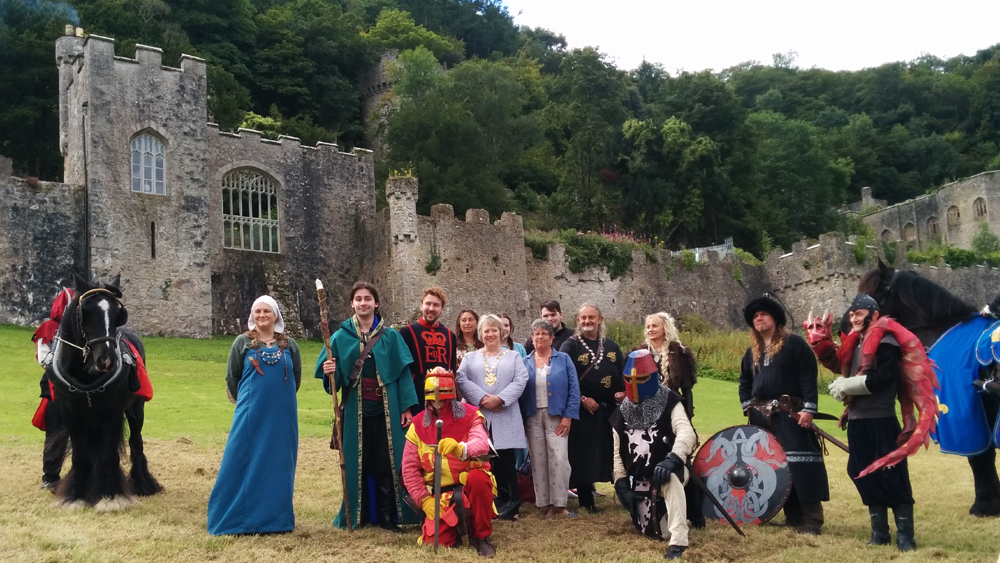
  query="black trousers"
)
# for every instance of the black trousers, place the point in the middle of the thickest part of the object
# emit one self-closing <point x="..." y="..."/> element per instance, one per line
<point x="56" y="444"/>
<point x="504" y="469"/>
<point x="376" y="463"/>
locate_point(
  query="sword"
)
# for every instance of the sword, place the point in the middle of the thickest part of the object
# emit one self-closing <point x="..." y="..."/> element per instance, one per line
<point x="704" y="488"/>
<point x="782" y="404"/>
<point x="437" y="486"/>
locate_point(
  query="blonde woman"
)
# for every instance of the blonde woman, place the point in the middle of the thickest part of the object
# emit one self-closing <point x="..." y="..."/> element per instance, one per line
<point x="493" y="379"/>
<point x="678" y="368"/>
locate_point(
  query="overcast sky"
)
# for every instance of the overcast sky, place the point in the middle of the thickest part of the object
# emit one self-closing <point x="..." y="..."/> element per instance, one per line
<point x="698" y="34"/>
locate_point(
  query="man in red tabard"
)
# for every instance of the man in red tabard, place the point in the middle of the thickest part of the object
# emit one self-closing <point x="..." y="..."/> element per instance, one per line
<point x="47" y="417"/>
<point x="467" y="486"/>
<point x="431" y="343"/>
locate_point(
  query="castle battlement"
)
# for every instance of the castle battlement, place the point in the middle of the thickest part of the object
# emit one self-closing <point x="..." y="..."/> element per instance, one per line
<point x="251" y="138"/>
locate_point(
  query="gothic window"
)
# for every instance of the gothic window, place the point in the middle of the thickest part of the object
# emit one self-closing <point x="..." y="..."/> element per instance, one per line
<point x="953" y="216"/>
<point x="887" y="235"/>
<point x="148" y="165"/>
<point x="910" y="232"/>
<point x="249" y="211"/>
<point x="932" y="226"/>
<point x="979" y="206"/>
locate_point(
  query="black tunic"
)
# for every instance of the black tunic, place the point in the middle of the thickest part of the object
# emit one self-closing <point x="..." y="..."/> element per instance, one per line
<point x="590" y="444"/>
<point x="431" y="347"/>
<point x="872" y="437"/>
<point x="792" y="371"/>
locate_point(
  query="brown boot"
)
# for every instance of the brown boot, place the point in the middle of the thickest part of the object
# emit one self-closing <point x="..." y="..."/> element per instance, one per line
<point x="485" y="548"/>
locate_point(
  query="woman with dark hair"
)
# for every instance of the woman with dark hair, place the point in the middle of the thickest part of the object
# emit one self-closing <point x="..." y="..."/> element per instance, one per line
<point x="253" y="490"/>
<point x="468" y="337"/>
<point x="508" y="331"/>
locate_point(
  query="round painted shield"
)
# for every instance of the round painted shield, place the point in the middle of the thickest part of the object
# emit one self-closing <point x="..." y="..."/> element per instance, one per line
<point x="745" y="469"/>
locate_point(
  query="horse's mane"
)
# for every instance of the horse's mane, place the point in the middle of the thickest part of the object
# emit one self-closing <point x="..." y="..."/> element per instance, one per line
<point x="936" y="305"/>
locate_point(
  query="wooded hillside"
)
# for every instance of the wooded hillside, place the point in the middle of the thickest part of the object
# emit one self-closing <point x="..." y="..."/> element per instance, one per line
<point x="761" y="152"/>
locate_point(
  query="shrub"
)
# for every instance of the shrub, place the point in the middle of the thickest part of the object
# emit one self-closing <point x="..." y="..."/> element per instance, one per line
<point x="748" y="258"/>
<point x="695" y="324"/>
<point x="434" y="264"/>
<point x="960" y="258"/>
<point x="889" y="251"/>
<point x="668" y="271"/>
<point x="738" y="273"/>
<point x="690" y="260"/>
<point x="861" y="250"/>
<point x="985" y="242"/>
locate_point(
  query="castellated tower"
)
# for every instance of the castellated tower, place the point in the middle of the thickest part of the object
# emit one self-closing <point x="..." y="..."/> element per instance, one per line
<point x="133" y="133"/>
<point x="404" y="242"/>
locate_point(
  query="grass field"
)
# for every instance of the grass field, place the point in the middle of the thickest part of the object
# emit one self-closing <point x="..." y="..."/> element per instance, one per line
<point x="186" y="426"/>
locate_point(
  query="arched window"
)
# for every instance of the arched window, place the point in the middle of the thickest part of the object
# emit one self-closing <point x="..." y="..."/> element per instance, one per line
<point x="979" y="208"/>
<point x="148" y="165"/>
<point x="910" y="232"/>
<point x="954" y="217"/>
<point x="249" y="211"/>
<point x="932" y="226"/>
<point x="887" y="235"/>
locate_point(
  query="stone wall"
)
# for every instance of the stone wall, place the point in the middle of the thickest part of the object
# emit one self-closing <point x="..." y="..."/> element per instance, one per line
<point x="327" y="201"/>
<point x="481" y="264"/>
<point x="42" y="244"/>
<point x="711" y="289"/>
<point x="925" y="221"/>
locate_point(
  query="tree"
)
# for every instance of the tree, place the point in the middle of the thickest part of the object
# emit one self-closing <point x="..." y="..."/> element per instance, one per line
<point x="395" y="29"/>
<point x="29" y="110"/>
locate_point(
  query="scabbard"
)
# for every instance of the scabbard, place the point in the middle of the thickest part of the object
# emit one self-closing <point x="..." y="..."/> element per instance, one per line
<point x="437" y="488"/>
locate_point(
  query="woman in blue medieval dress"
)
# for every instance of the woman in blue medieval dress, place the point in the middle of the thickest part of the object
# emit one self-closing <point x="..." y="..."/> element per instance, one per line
<point x="253" y="491"/>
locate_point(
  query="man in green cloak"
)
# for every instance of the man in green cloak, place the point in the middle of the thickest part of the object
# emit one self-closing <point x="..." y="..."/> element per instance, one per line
<point x="376" y="409"/>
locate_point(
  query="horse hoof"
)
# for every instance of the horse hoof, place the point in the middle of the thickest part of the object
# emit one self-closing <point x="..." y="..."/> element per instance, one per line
<point x="116" y="503"/>
<point x="67" y="504"/>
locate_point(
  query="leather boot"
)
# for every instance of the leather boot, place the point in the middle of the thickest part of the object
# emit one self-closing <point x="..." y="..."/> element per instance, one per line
<point x="880" y="525"/>
<point x="484" y="548"/>
<point x="904" y="527"/>
<point x="387" y="506"/>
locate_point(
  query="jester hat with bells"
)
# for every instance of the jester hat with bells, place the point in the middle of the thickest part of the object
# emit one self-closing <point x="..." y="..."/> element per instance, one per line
<point x="642" y="377"/>
<point x="439" y="389"/>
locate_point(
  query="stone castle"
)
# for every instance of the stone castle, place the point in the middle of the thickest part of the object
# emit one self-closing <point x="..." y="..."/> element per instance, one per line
<point x="200" y="222"/>
<point x="949" y="216"/>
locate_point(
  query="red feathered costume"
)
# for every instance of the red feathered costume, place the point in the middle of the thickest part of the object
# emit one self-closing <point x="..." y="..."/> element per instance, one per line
<point x="917" y="378"/>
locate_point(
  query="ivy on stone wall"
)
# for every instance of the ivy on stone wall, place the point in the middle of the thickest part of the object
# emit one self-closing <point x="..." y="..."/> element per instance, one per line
<point x="588" y="250"/>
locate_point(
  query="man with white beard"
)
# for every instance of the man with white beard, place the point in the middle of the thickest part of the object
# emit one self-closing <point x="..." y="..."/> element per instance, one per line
<point x="599" y="363"/>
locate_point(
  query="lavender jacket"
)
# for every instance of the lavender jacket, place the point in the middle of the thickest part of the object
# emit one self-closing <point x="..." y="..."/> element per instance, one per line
<point x="506" y="427"/>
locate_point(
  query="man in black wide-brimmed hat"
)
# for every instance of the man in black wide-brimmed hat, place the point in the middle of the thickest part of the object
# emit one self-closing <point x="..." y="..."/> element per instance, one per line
<point x="780" y="365"/>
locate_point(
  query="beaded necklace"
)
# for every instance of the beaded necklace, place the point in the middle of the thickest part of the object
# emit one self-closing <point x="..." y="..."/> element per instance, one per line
<point x="491" y="376"/>
<point x="600" y="350"/>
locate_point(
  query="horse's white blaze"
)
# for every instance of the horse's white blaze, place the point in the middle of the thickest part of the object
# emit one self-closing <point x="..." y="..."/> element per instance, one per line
<point x="106" y="307"/>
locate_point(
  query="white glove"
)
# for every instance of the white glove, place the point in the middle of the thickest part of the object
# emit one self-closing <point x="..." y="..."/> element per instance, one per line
<point x="842" y="387"/>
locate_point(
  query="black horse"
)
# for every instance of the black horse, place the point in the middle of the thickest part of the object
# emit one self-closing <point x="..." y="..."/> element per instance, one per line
<point x="928" y="311"/>
<point x="94" y="375"/>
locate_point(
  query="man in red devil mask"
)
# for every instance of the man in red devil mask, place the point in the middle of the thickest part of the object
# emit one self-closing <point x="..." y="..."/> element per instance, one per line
<point x="467" y="486"/>
<point x="653" y="439"/>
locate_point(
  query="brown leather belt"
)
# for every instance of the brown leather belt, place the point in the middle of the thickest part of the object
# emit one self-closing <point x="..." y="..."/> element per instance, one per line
<point x="769" y="407"/>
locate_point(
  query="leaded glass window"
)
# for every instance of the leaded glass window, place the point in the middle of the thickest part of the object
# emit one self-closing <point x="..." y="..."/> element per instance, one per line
<point x="148" y="165"/>
<point x="249" y="212"/>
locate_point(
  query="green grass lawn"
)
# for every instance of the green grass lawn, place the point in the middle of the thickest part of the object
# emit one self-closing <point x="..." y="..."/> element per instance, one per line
<point x="186" y="427"/>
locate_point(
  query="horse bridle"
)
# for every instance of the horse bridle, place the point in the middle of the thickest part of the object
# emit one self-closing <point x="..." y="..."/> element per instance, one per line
<point x="888" y="289"/>
<point x="85" y="349"/>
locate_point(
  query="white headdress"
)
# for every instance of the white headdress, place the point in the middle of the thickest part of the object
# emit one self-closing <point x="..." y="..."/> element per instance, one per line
<point x="279" y="323"/>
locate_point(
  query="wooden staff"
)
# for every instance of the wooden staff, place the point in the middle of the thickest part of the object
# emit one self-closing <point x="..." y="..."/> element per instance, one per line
<point x="338" y="427"/>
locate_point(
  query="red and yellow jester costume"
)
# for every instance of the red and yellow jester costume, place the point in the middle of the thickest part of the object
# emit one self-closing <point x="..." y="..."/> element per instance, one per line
<point x="464" y="447"/>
